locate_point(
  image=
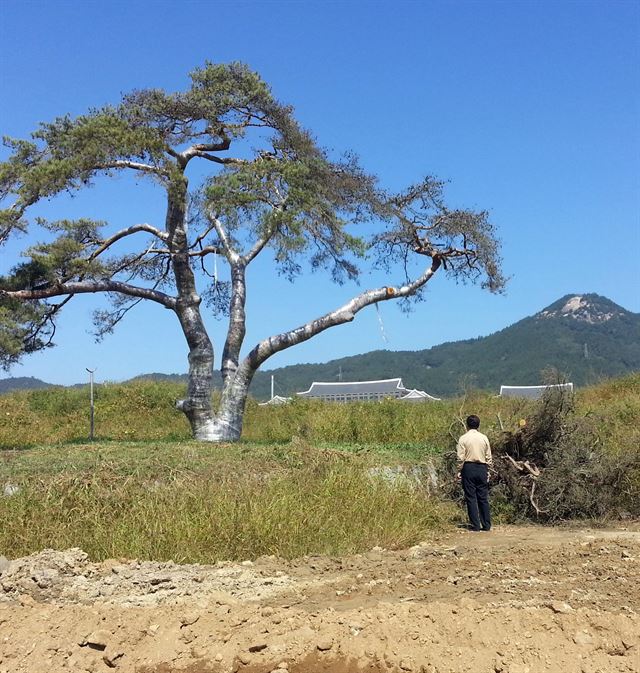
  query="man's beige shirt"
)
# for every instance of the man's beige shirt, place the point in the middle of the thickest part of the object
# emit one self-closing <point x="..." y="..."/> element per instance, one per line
<point x="474" y="447"/>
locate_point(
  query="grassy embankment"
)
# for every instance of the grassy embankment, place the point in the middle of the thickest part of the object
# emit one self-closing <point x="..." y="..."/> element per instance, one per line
<point x="144" y="490"/>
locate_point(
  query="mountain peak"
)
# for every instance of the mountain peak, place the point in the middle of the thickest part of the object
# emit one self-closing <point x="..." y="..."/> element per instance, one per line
<point x="589" y="308"/>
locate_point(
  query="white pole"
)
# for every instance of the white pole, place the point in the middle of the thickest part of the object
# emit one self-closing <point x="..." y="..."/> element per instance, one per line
<point x="91" y="427"/>
<point x="271" y="386"/>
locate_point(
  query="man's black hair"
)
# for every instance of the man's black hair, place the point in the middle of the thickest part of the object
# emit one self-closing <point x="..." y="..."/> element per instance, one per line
<point x="473" y="422"/>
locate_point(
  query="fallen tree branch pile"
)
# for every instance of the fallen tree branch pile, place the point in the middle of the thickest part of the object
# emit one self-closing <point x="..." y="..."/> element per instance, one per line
<point x="552" y="467"/>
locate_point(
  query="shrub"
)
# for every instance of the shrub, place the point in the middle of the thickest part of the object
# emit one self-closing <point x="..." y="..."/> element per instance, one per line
<point x="555" y="466"/>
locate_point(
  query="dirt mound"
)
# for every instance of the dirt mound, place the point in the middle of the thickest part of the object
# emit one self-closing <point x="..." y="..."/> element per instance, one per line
<point x="517" y="600"/>
<point x="68" y="577"/>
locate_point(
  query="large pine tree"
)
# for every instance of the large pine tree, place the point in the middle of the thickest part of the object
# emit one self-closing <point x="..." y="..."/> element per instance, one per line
<point x="271" y="190"/>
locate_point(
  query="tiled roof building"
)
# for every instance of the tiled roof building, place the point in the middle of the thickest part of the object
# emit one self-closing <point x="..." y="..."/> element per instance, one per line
<point x="533" y="392"/>
<point x="363" y="391"/>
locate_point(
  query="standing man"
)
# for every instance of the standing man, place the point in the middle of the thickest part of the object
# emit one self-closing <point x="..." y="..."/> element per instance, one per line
<point x="474" y="460"/>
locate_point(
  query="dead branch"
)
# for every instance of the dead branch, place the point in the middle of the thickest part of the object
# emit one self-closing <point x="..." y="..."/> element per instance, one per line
<point x="517" y="464"/>
<point x="524" y="466"/>
<point x="532" y="469"/>
<point x="455" y="439"/>
<point x="533" y="502"/>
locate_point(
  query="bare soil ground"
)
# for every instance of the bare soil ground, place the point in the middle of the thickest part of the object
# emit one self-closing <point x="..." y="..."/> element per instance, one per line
<point x="516" y="600"/>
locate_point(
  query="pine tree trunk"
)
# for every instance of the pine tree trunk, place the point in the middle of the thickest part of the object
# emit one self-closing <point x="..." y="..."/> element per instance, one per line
<point x="226" y="424"/>
<point x="197" y="404"/>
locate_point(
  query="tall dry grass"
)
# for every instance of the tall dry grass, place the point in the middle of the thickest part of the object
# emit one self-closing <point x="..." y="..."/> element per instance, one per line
<point x="145" y="411"/>
<point x="142" y="410"/>
<point x="195" y="503"/>
<point x="298" y="483"/>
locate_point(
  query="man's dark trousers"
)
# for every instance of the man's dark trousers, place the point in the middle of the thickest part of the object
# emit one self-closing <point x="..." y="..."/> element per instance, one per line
<point x="475" y="483"/>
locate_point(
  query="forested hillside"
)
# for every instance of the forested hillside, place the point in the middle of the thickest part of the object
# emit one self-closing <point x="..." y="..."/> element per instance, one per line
<point x="586" y="337"/>
<point x="22" y="383"/>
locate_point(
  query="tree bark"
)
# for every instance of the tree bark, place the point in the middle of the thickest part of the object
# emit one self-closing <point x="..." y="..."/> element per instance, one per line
<point x="237" y="321"/>
<point x="227" y="425"/>
<point x="197" y="404"/>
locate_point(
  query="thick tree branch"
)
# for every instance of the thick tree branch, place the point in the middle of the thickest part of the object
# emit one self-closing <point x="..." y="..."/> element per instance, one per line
<point x="259" y="245"/>
<point x="107" y="243"/>
<point x="203" y="252"/>
<point x="174" y="153"/>
<point x="229" y="252"/>
<point x="224" y="144"/>
<point x="346" y="313"/>
<point x="207" y="250"/>
<point x="91" y="287"/>
<point x="135" y="165"/>
<point x="191" y="152"/>
<point x="237" y="322"/>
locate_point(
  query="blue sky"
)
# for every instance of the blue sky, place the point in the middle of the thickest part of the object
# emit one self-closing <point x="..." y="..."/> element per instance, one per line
<point x="530" y="109"/>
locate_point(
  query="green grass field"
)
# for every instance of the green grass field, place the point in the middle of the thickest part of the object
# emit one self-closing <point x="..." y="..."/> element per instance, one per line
<point x="145" y="411"/>
<point x="197" y="503"/>
<point x="302" y="481"/>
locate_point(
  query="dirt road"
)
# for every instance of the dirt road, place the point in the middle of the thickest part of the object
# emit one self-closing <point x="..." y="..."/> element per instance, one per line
<point x="516" y="600"/>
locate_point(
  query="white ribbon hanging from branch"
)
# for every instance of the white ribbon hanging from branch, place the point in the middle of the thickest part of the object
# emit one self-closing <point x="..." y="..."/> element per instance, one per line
<point x="382" y="332"/>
